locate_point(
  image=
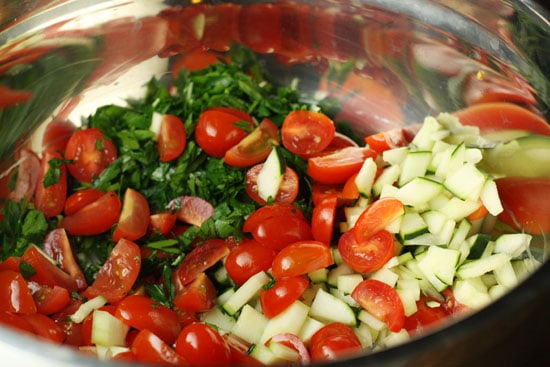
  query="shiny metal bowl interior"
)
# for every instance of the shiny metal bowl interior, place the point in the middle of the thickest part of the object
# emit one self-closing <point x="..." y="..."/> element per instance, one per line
<point x="432" y="56"/>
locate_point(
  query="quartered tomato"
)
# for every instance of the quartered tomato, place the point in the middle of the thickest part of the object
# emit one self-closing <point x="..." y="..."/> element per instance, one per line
<point x="197" y="296"/>
<point x="288" y="189"/>
<point x="323" y="219"/>
<point x="376" y="217"/>
<point x="338" y="166"/>
<point x="382" y="301"/>
<point x="201" y="258"/>
<point x="216" y="131"/>
<point x="51" y="193"/>
<point x="306" y="132"/>
<point x="277" y="232"/>
<point x="425" y="316"/>
<point x="134" y="218"/>
<point x="255" y="147"/>
<point x="45" y="328"/>
<point x="268" y="211"/>
<point x="90" y="152"/>
<point x="301" y="258"/>
<point x="15" y="321"/>
<point x="247" y="259"/>
<point x="368" y="255"/>
<point x="149" y="348"/>
<point x="333" y="341"/>
<point x="162" y="222"/>
<point x="50" y="300"/>
<point x="58" y="247"/>
<point x="80" y="199"/>
<point x="119" y="273"/>
<point x="172" y="139"/>
<point x="94" y="218"/>
<point x="141" y="312"/>
<point x="15" y="295"/>
<point x="191" y="209"/>
<point x="201" y="345"/>
<point x="45" y="272"/>
<point x="282" y="294"/>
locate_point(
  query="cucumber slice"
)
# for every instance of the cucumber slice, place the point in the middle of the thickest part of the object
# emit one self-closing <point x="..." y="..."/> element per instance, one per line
<point x="329" y="308"/>
<point x="415" y="165"/>
<point x="439" y="266"/>
<point x="283" y="353"/>
<point x="271" y="175"/>
<point x="108" y="330"/>
<point x="245" y="292"/>
<point x="388" y="176"/>
<point x="513" y="244"/>
<point x="490" y="199"/>
<point x="215" y="316"/>
<point x="87" y="308"/>
<point x="418" y="192"/>
<point x="424" y="138"/>
<point x="412" y="225"/>
<point x="478" y="267"/>
<point x="290" y="320"/>
<point x="310" y="327"/>
<point x="250" y="325"/>
<point x="466" y="182"/>
<point x="365" y="177"/>
<point x="471" y="292"/>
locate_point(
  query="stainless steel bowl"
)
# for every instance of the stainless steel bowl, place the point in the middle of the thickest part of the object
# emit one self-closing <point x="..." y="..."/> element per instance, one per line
<point x="68" y="57"/>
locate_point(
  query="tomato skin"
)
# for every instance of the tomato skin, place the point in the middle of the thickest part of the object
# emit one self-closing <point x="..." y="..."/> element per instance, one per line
<point x="94" y="218"/>
<point x="119" y="273"/>
<point x="425" y="316"/>
<point x="15" y="295"/>
<point x="141" y="312"/>
<point x="282" y="294"/>
<point x="394" y="138"/>
<point x="496" y="116"/>
<point x="201" y="258"/>
<point x="300" y="258"/>
<point x="307" y="132"/>
<point x="216" y="132"/>
<point x="57" y="135"/>
<point x="333" y="341"/>
<point x="50" y="300"/>
<point x="45" y="328"/>
<point x="376" y="217"/>
<point x="191" y="209"/>
<point x="370" y="254"/>
<point x="277" y="232"/>
<point x="51" y="200"/>
<point x="521" y="199"/>
<point x="162" y="222"/>
<point x="80" y="199"/>
<point x="15" y="321"/>
<point x="382" y="301"/>
<point x="134" y="218"/>
<point x="201" y="345"/>
<point x="247" y="259"/>
<point x="72" y="330"/>
<point x="149" y="348"/>
<point x="288" y="190"/>
<point x="271" y="210"/>
<point x="197" y="296"/>
<point x="336" y="167"/>
<point x="255" y="147"/>
<point x="88" y="160"/>
<point x="57" y="246"/>
<point x="172" y="138"/>
<point x="11" y="263"/>
<point x="47" y="273"/>
<point x="292" y="341"/>
<point x="322" y="221"/>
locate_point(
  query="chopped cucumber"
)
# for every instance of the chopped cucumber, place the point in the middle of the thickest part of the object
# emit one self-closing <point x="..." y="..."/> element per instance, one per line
<point x="250" y="325"/>
<point x="478" y="267"/>
<point x="418" y="192"/>
<point x="513" y="244"/>
<point x="271" y="175"/>
<point x="439" y="266"/>
<point x="291" y="320"/>
<point x="414" y="165"/>
<point x="329" y="308"/>
<point x="87" y="308"/>
<point x="365" y="177"/>
<point x="108" y="330"/>
<point x="412" y="225"/>
<point x="245" y="292"/>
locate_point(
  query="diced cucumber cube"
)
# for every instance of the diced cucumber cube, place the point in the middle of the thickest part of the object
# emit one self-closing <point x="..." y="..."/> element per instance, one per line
<point x="465" y="182"/>
<point x="418" y="192"/>
<point x="415" y="165"/>
<point x="478" y="267"/>
<point x="329" y="308"/>
<point x="439" y="266"/>
<point x="107" y="330"/>
<point x="471" y="292"/>
<point x="490" y="199"/>
<point x="512" y="244"/>
<point x="310" y="327"/>
<point x="246" y="292"/>
<point x="412" y="225"/>
<point x="365" y="177"/>
<point x="290" y="320"/>
<point x="215" y="316"/>
<point x="388" y="177"/>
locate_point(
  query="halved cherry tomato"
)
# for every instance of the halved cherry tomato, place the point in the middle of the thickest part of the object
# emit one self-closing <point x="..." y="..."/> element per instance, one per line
<point x="288" y="190"/>
<point x="376" y="217"/>
<point x="191" y="209"/>
<point x="368" y="255"/>
<point x="301" y="258"/>
<point x="201" y="258"/>
<point x="525" y="203"/>
<point x="162" y="222"/>
<point x="201" y="345"/>
<point x="247" y="259"/>
<point x="216" y="131"/>
<point x="72" y="330"/>
<point x="16" y="322"/>
<point x="277" y="232"/>
<point x="292" y="341"/>
<point x="333" y="341"/>
<point x="321" y="191"/>
<point x="94" y="218"/>
<point x="90" y="152"/>
<point x="425" y="316"/>
<point x="149" y="348"/>
<point x="282" y="294"/>
<point x="118" y="274"/>
<point x="323" y="218"/>
<point x="255" y="147"/>
<point x="45" y="272"/>
<point x="51" y="199"/>
<point x="338" y="166"/>
<point x="15" y="295"/>
<point x="394" y="138"/>
<point x="80" y="199"/>
<point x="57" y="134"/>
<point x="58" y="247"/>
<point x="307" y="132"/>
<point x="197" y="296"/>
<point x="350" y="191"/>
<point x="172" y="138"/>
<point x="268" y="211"/>
<point x="134" y="218"/>
<point x="382" y="301"/>
<point x="45" y="328"/>
<point x="141" y="312"/>
<point x="50" y="300"/>
<point x="497" y="116"/>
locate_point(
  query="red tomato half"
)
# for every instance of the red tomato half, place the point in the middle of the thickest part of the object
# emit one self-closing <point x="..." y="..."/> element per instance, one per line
<point x="46" y="273"/>
<point x="134" y="218"/>
<point x="80" y="199"/>
<point x="94" y="218"/>
<point x="288" y="190"/>
<point x="279" y="231"/>
<point x="201" y="258"/>
<point x="90" y="152"/>
<point x="333" y="341"/>
<point x="301" y="258"/>
<point x="191" y="209"/>
<point x="394" y="138"/>
<point x="382" y="301"/>
<point x="162" y="222"/>
<point x="338" y="166"/>
<point x="58" y="247"/>
<point x="282" y="294"/>
<point x="368" y="255"/>
<point x="45" y="328"/>
<point x="149" y="348"/>
<point x="255" y="147"/>
<point x="376" y="217"/>
<point x="525" y="203"/>
<point x="172" y="138"/>
<point x="216" y="131"/>
<point x="50" y="300"/>
<point x="197" y="296"/>
<point x="271" y="210"/>
<point x="119" y="273"/>
<point x="15" y="295"/>
<point x="51" y="199"/>
<point x="322" y="221"/>
<point x="201" y="345"/>
<point x="247" y="259"/>
<point x="307" y="132"/>
<point x="141" y="312"/>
